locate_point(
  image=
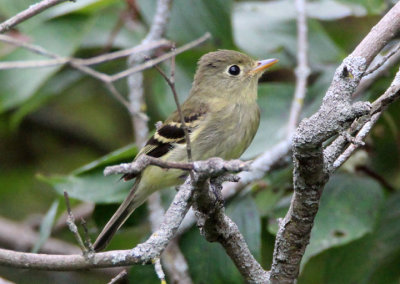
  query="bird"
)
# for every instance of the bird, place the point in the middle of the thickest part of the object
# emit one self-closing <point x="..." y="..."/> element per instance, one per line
<point x="222" y="117"/>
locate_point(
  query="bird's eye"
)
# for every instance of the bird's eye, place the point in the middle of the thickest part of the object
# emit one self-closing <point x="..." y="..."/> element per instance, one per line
<point x="234" y="70"/>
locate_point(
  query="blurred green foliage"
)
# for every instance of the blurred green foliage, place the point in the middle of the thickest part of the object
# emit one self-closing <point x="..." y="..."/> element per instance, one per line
<point x="60" y="128"/>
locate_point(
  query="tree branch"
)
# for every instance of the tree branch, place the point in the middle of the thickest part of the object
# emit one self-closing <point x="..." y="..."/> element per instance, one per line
<point x="108" y="80"/>
<point x="119" y="276"/>
<point x="217" y="227"/>
<point x="33" y="10"/>
<point x="135" y="81"/>
<point x="392" y="94"/>
<point x="383" y="60"/>
<point x="376" y="39"/>
<point x="310" y="169"/>
<point x="302" y="70"/>
<point x="142" y="253"/>
<point x="27" y="238"/>
<point x="384" y="65"/>
<point x="67" y="60"/>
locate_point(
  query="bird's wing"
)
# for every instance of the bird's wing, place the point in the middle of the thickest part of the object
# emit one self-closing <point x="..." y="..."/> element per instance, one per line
<point x="171" y="133"/>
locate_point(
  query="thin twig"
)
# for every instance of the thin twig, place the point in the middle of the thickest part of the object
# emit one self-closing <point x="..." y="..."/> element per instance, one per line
<point x="72" y="227"/>
<point x="106" y="79"/>
<point x="171" y="83"/>
<point x="142" y="253"/>
<point x="178" y="106"/>
<point x="354" y="146"/>
<point x="368" y="80"/>
<point x="374" y="175"/>
<point x="85" y="69"/>
<point x="27" y="237"/>
<point x="339" y="145"/>
<point x="218" y="165"/>
<point x="302" y="70"/>
<point x="120" y="275"/>
<point x="392" y="94"/>
<point x="143" y="161"/>
<point x="29" y="13"/>
<point x="153" y="62"/>
<point x="159" y="270"/>
<point x="4" y="281"/>
<point x="310" y="174"/>
<point x="135" y="80"/>
<point x="117" y="95"/>
<point x="31" y="47"/>
<point x="172" y="258"/>
<point x="176" y="264"/>
<point x="268" y="161"/>
<point x="385" y="58"/>
<point x="98" y="75"/>
<point x="88" y="242"/>
<point x="81" y="61"/>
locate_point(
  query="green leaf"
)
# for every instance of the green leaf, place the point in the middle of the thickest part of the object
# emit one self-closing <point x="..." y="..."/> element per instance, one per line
<point x="210" y="16"/>
<point x="199" y="252"/>
<point x="46" y="226"/>
<point x="374" y="259"/>
<point x="274" y="100"/>
<point x="81" y="6"/>
<point x="329" y="10"/>
<point x="126" y="153"/>
<point x="386" y="158"/>
<point x="9" y="8"/>
<point x="268" y="195"/>
<point x="262" y="28"/>
<point x="374" y="7"/>
<point x="161" y="97"/>
<point x="13" y="91"/>
<point x="145" y="273"/>
<point x="349" y="209"/>
<point x="55" y="86"/>
<point x="104" y="23"/>
<point x="88" y="182"/>
<point x="243" y="211"/>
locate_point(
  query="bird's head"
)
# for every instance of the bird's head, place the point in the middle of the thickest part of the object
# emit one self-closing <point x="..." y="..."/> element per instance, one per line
<point x="228" y="72"/>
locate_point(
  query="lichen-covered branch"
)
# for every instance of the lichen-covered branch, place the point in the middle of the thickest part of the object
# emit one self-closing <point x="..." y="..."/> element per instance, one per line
<point x="310" y="175"/>
<point x="142" y="253"/>
<point x="218" y="227"/>
<point x="172" y="258"/>
<point x="365" y="125"/>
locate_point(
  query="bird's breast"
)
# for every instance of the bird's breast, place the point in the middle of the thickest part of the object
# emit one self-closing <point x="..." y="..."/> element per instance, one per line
<point x="228" y="133"/>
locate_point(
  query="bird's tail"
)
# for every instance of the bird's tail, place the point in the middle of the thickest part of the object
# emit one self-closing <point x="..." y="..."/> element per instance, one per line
<point x="118" y="219"/>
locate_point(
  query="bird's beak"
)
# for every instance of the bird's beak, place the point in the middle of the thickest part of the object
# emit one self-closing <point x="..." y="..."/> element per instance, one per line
<point x="262" y="65"/>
